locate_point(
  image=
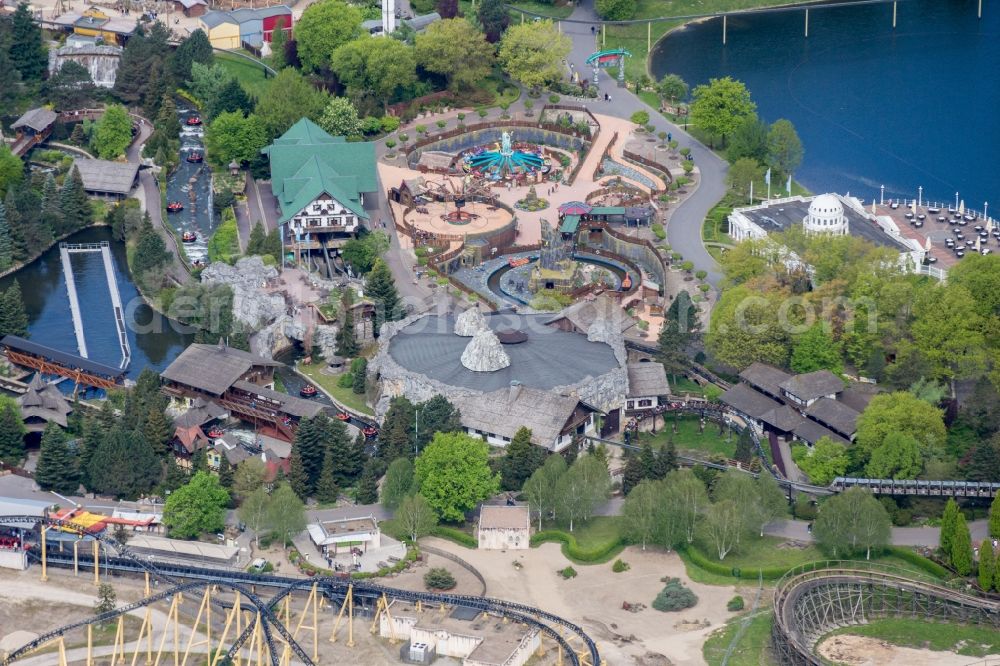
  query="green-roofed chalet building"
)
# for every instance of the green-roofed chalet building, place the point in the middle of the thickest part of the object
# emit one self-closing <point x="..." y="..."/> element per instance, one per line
<point x="320" y="182"/>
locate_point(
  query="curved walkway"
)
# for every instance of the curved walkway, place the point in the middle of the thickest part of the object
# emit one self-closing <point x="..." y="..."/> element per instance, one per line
<point x="685" y="222"/>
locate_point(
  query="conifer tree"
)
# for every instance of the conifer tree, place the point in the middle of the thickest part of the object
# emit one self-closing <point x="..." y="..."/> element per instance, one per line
<point x="632" y="474"/>
<point x="326" y="488"/>
<point x="73" y="201"/>
<point x="961" y="547"/>
<point x="360" y="373"/>
<point x="255" y="244"/>
<point x="11" y="433"/>
<point x="226" y="473"/>
<point x="994" y="522"/>
<point x="987" y="565"/>
<point x="27" y="51"/>
<point x="681" y="328"/>
<point x="520" y="460"/>
<point x="10" y="78"/>
<point x="157" y="431"/>
<point x="52" y="206"/>
<point x="381" y="288"/>
<point x="367" y="490"/>
<point x="6" y="245"/>
<point x="56" y="469"/>
<point x="949" y="520"/>
<point x="157" y="86"/>
<point x="13" y="319"/>
<point x="347" y="342"/>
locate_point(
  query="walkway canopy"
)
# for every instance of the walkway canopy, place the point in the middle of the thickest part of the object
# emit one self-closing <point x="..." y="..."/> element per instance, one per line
<point x="570" y="224"/>
<point x="70" y="361"/>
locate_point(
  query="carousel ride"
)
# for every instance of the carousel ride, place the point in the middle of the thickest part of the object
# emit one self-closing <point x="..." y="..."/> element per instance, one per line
<point x="505" y="161"/>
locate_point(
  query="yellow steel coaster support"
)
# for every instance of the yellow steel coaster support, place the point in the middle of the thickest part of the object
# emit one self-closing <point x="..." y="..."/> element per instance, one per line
<point x="312" y="601"/>
<point x="349" y="606"/>
<point x="174" y="621"/>
<point x="146" y="578"/>
<point x="90" y="645"/>
<point x="216" y="654"/>
<point x="383" y="607"/>
<point x="76" y="557"/>
<point x="62" y="652"/>
<point x="204" y="609"/>
<point x="118" y="653"/>
<point x="146" y="628"/>
<point x="45" y="576"/>
<point x="97" y="563"/>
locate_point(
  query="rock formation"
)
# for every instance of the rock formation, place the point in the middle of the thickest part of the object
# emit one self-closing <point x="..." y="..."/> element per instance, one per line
<point x="252" y="306"/>
<point x="469" y="322"/>
<point x="485" y="353"/>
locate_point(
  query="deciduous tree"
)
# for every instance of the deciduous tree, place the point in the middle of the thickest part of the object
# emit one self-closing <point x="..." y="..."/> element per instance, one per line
<point x="897" y="457"/>
<point x="288" y="99"/>
<point x="253" y="511"/>
<point x="903" y="413"/>
<point x="416" y="517"/>
<point x="640" y="512"/>
<point x="457" y="50"/>
<point x="722" y="527"/>
<point x="784" y="148"/>
<point x="453" y="474"/>
<point x="824" y="462"/>
<point x="11" y="170"/>
<point x="533" y="53"/>
<point x="851" y="523"/>
<point x="616" y="10"/>
<point x="375" y="71"/>
<point x="286" y="514"/>
<point x="340" y="118"/>
<point x="112" y="133"/>
<point x="197" y="507"/>
<point x="672" y="87"/>
<point x="749" y="139"/>
<point x="816" y="350"/>
<point x="540" y="488"/>
<point x="398" y="483"/>
<point x="685" y="499"/>
<point x="323" y="27"/>
<point x="233" y="136"/>
<point x="742" y="173"/>
<point x="720" y="106"/>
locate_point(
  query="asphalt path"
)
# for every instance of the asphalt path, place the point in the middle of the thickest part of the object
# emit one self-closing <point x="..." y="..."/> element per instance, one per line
<point x="684" y="228"/>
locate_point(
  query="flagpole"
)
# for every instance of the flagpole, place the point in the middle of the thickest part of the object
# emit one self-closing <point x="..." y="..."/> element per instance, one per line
<point x="768" y="188"/>
<point x="751" y="192"/>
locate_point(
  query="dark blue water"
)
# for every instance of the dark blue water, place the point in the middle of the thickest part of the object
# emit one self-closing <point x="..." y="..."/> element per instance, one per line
<point x="918" y="106"/>
<point x="155" y="340"/>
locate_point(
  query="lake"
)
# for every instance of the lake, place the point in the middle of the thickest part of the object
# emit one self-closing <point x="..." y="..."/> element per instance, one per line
<point x="913" y="107"/>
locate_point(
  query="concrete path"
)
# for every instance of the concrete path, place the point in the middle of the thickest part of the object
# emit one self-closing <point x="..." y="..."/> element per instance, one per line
<point x="685" y="222"/>
<point x="901" y="536"/>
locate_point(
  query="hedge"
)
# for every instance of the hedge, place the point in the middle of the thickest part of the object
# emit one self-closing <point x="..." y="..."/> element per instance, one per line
<point x="919" y="561"/>
<point x="456" y="536"/>
<point x="774" y="573"/>
<point x="572" y="550"/>
<point x="721" y="569"/>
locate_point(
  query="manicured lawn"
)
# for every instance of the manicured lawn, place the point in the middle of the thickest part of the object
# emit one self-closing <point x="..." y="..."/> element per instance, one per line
<point x="752" y="649"/>
<point x="965" y="639"/>
<point x="688" y="437"/>
<point x="557" y="10"/>
<point x="251" y="76"/>
<point x="764" y="553"/>
<point x="597" y="532"/>
<point x="682" y="385"/>
<point x="345" y="396"/>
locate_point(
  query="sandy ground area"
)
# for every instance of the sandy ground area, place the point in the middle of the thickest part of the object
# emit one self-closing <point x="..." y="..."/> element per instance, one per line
<point x="865" y="651"/>
<point x="594" y="599"/>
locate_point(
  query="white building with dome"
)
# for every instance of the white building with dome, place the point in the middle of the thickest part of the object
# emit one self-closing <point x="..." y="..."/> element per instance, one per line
<point x="831" y="214"/>
<point x="826" y="216"/>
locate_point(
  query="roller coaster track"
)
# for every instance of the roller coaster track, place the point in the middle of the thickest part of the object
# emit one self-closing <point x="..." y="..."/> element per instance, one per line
<point x="815" y="599"/>
<point x="238" y="581"/>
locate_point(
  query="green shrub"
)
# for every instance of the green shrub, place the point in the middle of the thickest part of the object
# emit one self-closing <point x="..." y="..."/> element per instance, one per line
<point x="553" y="99"/>
<point x="456" y="536"/>
<point x="640" y="117"/>
<point x="567" y="573"/>
<point x="804" y="510"/>
<point x="674" y="597"/>
<point x="658" y="231"/>
<point x="902" y="518"/>
<point x="619" y="566"/>
<point x="573" y="551"/>
<point x="345" y="380"/>
<point x="439" y="578"/>
<point x="919" y="561"/>
<point x="735" y="604"/>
